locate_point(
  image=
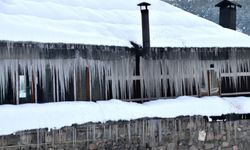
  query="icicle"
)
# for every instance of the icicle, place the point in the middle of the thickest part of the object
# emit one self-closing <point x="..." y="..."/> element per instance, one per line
<point x="171" y="73"/>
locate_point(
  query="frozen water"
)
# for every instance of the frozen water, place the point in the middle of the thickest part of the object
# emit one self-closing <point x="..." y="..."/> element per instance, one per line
<point x="112" y="70"/>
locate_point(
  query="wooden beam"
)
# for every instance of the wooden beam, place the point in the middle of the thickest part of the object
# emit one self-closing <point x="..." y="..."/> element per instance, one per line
<point x="79" y="84"/>
<point x="88" y="84"/>
<point x="209" y="82"/>
<point x="236" y="74"/>
<point x="33" y="84"/>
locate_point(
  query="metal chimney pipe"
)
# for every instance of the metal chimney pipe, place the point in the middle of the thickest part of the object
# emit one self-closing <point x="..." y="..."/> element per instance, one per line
<point x="145" y="26"/>
<point x="227" y="17"/>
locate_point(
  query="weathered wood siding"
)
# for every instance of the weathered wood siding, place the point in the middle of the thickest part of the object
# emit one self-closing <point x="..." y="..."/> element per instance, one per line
<point x="59" y="72"/>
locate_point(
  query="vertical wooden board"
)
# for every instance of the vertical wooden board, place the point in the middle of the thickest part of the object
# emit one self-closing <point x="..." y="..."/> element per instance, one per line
<point x="87" y="72"/>
<point x="33" y="84"/>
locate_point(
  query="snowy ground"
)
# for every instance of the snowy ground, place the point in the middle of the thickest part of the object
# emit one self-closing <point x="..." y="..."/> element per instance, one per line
<point x="56" y="115"/>
<point x="115" y="22"/>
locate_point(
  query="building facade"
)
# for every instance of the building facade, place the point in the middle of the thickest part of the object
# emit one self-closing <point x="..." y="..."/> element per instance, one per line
<point x="45" y="72"/>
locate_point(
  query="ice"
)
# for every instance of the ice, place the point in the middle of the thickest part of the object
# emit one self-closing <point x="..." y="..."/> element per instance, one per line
<point x="112" y="70"/>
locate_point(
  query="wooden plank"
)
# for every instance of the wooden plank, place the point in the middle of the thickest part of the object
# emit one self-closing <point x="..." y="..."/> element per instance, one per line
<point x="79" y="84"/>
<point x="151" y="99"/>
<point x="88" y="84"/>
<point x="33" y="93"/>
<point x="140" y="77"/>
<point x="235" y="93"/>
<point x="209" y="82"/>
<point x="237" y="74"/>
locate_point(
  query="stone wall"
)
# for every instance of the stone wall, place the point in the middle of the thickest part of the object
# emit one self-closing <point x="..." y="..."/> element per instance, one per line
<point x="180" y="133"/>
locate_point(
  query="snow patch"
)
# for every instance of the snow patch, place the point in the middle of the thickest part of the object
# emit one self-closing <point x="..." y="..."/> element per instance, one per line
<point x="55" y="115"/>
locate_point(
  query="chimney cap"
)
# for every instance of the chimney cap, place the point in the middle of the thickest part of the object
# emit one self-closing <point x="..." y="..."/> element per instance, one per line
<point x="226" y="3"/>
<point x="143" y="4"/>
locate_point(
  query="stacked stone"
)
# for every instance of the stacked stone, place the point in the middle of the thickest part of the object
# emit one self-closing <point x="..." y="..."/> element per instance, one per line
<point x="182" y="133"/>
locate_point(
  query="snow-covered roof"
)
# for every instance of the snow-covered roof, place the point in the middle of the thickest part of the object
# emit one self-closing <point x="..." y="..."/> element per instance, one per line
<point x="113" y="22"/>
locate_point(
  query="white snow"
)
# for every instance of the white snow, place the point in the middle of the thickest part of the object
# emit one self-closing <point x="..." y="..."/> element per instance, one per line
<point x="55" y="115"/>
<point x="115" y="22"/>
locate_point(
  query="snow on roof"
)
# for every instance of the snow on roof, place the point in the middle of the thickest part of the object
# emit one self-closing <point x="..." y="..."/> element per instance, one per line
<point x="55" y="115"/>
<point x="115" y="22"/>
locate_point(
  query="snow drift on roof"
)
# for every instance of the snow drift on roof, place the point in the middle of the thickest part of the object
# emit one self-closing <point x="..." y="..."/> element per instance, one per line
<point x="115" y="22"/>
